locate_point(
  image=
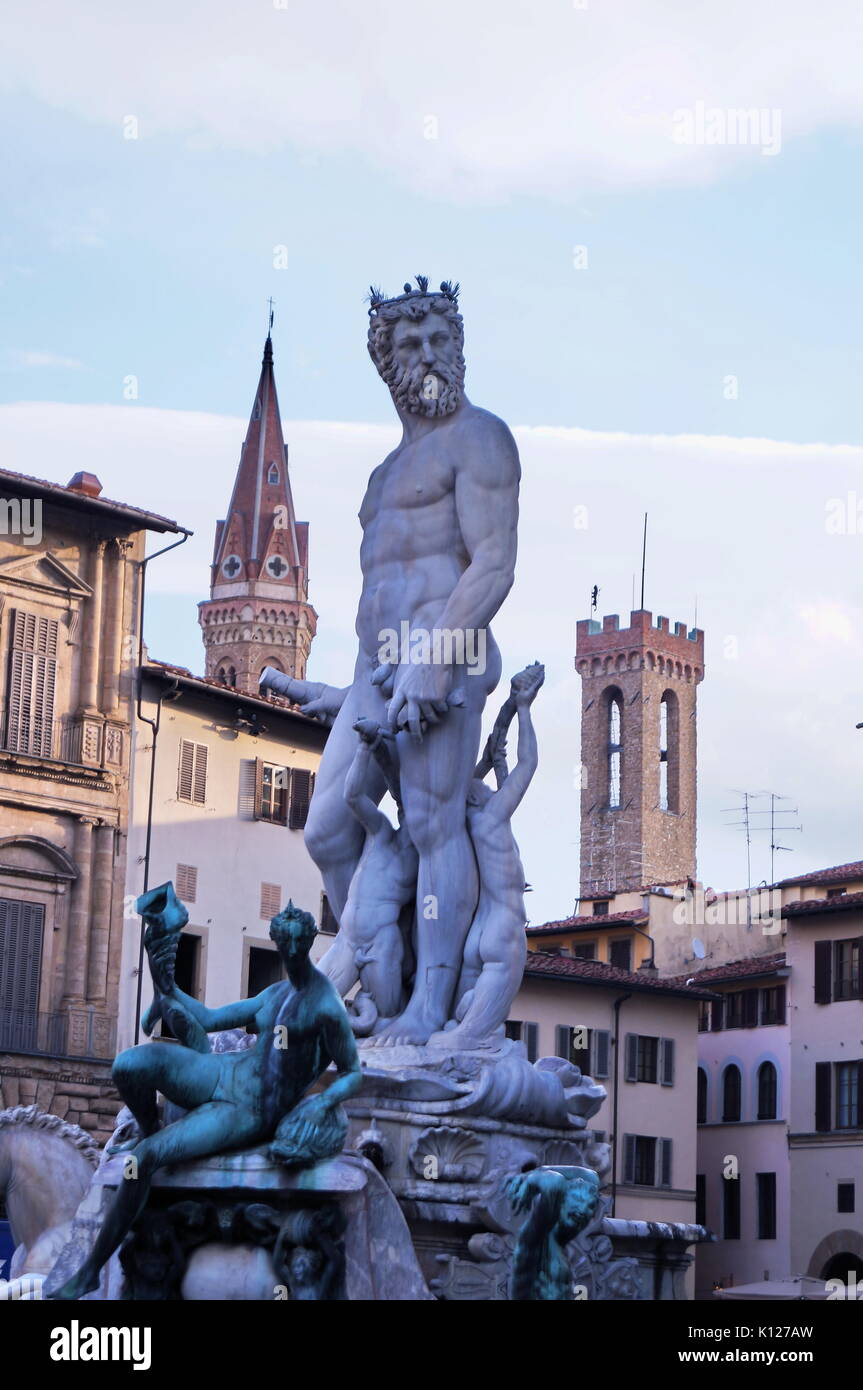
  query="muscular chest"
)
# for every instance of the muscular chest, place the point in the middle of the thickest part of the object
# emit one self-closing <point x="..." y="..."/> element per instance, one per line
<point x="420" y="474"/>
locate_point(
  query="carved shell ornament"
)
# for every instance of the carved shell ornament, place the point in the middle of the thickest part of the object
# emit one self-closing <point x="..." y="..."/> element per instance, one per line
<point x="447" y="1154"/>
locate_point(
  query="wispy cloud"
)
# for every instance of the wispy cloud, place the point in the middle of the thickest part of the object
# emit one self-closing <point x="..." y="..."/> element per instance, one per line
<point x="495" y="98"/>
<point x="23" y="358"/>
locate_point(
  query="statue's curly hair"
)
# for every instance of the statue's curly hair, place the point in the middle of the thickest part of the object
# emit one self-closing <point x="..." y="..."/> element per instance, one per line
<point x="384" y="314"/>
<point x="291" y="914"/>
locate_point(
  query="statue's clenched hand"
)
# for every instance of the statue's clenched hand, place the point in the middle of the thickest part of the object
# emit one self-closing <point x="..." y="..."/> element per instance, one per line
<point x="420" y="696"/>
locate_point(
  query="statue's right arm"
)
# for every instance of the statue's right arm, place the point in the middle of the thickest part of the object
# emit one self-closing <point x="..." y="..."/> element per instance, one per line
<point x="236" y="1015"/>
<point x="321" y="701"/>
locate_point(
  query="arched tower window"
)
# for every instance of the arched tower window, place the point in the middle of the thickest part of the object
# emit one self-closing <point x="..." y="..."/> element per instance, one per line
<point x="731" y="1093"/>
<point x="767" y="1091"/>
<point x="227" y="675"/>
<point x="273" y="473"/>
<point x="615" y="748"/>
<point x="669" y="760"/>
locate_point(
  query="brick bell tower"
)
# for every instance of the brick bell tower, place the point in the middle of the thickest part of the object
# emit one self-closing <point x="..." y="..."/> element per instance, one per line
<point x="638" y="751"/>
<point x="258" y="613"/>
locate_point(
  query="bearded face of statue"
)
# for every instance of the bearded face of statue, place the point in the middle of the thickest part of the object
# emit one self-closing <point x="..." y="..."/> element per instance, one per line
<point x="419" y="357"/>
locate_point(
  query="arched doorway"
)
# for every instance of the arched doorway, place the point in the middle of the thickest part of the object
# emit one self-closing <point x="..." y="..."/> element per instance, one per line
<point x="844" y="1266"/>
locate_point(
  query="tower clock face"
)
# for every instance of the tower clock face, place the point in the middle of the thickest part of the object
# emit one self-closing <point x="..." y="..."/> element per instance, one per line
<point x="231" y="566"/>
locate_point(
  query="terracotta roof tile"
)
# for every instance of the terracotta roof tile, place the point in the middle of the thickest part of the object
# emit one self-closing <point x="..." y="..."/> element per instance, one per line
<point x="811" y="907"/>
<point x="836" y="874"/>
<point x="587" y="921"/>
<point x="150" y="520"/>
<point x="594" y="972"/>
<point x="153" y="667"/>
<point x="739" y="969"/>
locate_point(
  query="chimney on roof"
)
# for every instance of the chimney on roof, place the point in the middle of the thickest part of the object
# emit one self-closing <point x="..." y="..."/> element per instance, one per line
<point x="87" y="483"/>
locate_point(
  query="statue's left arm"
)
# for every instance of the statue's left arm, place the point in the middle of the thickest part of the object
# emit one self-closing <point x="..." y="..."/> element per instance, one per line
<point x="342" y="1047"/>
<point x="486" y="498"/>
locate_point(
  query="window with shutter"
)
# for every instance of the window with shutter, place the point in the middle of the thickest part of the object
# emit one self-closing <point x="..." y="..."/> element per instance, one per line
<point x="31" y="684"/>
<point x="750" y="1008"/>
<point x="663" y="1177"/>
<point x="823" y="1096"/>
<point x="849" y="1095"/>
<point x="647" y="1059"/>
<point x="329" y="925"/>
<point x="645" y="1161"/>
<point x="22" y="927"/>
<point x="823" y="961"/>
<point x="272" y="802"/>
<point x="601" y="1039"/>
<point x="561" y="1041"/>
<point x="247" y="801"/>
<point x="773" y="1004"/>
<point x="630" y="1057"/>
<point x="199" y="785"/>
<point x="528" y="1033"/>
<point x="192" y="772"/>
<point x="846" y="968"/>
<point x="187" y="882"/>
<point x="666" y="1065"/>
<point x="302" y="786"/>
<point x="717" y="1015"/>
<point x="701" y="1099"/>
<point x="629" y="1158"/>
<point x="271" y="900"/>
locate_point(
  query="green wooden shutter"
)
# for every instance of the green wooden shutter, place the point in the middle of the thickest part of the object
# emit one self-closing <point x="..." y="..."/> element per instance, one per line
<point x="31" y="685"/>
<point x="663" y="1176"/>
<point x="199" y="784"/>
<point x="750" y="1008"/>
<point x="823" y="1095"/>
<point x="629" y="1158"/>
<point x="630" y="1053"/>
<point x="186" y="770"/>
<point x="21" y="933"/>
<point x="666" y="1061"/>
<point x="531" y="1040"/>
<point x="717" y="1015"/>
<point x="823" y="964"/>
<point x="561" y="1041"/>
<point x="302" y="785"/>
<point x="601" y="1039"/>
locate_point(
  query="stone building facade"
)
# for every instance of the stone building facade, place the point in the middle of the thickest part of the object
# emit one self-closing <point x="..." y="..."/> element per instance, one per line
<point x="638" y="751"/>
<point x="69" y="615"/>
<point x="232" y="777"/>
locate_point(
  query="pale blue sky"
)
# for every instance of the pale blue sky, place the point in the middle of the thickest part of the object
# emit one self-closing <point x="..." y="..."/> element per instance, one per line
<point x="305" y="127"/>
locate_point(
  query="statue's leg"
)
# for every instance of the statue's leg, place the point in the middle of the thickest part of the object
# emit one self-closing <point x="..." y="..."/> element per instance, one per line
<point x="502" y="951"/>
<point x="141" y="1072"/>
<point x="435" y="777"/>
<point x="210" y="1129"/>
<point x="334" y="836"/>
<point x="381" y="968"/>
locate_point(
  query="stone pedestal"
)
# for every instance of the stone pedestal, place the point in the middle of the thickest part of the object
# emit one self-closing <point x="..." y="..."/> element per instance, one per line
<point x="226" y="1198"/>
